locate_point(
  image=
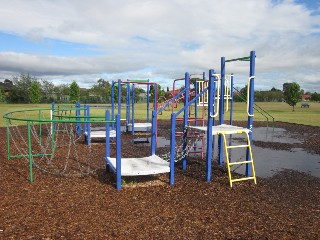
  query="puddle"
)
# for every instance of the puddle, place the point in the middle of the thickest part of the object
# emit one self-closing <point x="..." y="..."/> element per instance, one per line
<point x="275" y="135"/>
<point x="269" y="161"/>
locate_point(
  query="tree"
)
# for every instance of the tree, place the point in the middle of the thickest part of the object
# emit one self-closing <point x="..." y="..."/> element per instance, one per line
<point x="292" y="94"/>
<point x="21" y="89"/>
<point x="48" y="90"/>
<point x="1" y="95"/>
<point x="35" y="92"/>
<point x="315" y="97"/>
<point x="160" y="92"/>
<point x="74" y="92"/>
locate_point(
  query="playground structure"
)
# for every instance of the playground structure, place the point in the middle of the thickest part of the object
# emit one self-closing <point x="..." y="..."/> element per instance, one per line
<point x="92" y="128"/>
<point x="130" y="100"/>
<point x="212" y="94"/>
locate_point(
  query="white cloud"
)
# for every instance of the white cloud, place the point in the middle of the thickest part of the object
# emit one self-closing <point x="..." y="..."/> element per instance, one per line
<point x="168" y="37"/>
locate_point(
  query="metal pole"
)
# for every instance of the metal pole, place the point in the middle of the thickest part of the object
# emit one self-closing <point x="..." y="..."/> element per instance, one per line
<point x="172" y="147"/>
<point x="118" y="152"/>
<point x="250" y="110"/>
<point x="210" y="124"/>
<point x="221" y="111"/>
<point x="185" y="120"/>
<point x="30" y="152"/>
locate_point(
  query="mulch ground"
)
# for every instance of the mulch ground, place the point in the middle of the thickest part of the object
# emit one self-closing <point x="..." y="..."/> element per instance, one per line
<point x="286" y="206"/>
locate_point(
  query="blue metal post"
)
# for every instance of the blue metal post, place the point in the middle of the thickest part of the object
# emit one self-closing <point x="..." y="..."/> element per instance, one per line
<point x="250" y="110"/>
<point x="118" y="152"/>
<point x="112" y="102"/>
<point x="119" y="96"/>
<point x="107" y="138"/>
<point x="132" y="119"/>
<point x="185" y="120"/>
<point x="211" y="94"/>
<point x="153" y="134"/>
<point x="78" y="113"/>
<point x="221" y="110"/>
<point x="155" y="100"/>
<point x="172" y="147"/>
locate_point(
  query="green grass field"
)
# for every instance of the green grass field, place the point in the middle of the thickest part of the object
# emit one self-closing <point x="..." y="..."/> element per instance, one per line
<point x="280" y="112"/>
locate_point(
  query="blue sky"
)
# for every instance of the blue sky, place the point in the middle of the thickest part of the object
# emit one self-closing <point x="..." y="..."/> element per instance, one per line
<point x="62" y="41"/>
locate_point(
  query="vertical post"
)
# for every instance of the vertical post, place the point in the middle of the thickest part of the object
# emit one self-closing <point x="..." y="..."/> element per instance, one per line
<point x="231" y="108"/>
<point x="52" y="113"/>
<point x="196" y="101"/>
<point x="211" y="93"/>
<point x="119" y="96"/>
<point x="52" y="116"/>
<point x="30" y="153"/>
<point x="128" y="104"/>
<point x="8" y="138"/>
<point x="85" y="127"/>
<point x="118" y="152"/>
<point x="221" y="110"/>
<point x="185" y="120"/>
<point x="107" y="138"/>
<point x="78" y="125"/>
<point x="40" y="127"/>
<point x="172" y="147"/>
<point x="232" y="96"/>
<point x="132" y="120"/>
<point x="107" y="117"/>
<point x="112" y="102"/>
<point x="155" y="100"/>
<point x="153" y="133"/>
<point x="148" y="101"/>
<point x="250" y="110"/>
<point x="88" y="125"/>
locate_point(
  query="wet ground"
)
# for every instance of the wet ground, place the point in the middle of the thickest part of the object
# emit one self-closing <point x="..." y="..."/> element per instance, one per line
<point x="269" y="161"/>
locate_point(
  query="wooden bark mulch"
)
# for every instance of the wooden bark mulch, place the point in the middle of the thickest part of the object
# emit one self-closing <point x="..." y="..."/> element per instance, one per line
<point x="286" y="206"/>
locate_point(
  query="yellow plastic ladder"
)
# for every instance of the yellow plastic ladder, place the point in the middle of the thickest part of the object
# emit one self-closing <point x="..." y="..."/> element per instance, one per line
<point x="229" y="164"/>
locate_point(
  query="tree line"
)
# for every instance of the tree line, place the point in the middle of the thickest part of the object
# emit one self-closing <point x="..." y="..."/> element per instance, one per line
<point x="29" y="89"/>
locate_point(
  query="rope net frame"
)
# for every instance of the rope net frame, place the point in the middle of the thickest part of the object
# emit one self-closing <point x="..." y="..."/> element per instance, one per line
<point x="50" y="142"/>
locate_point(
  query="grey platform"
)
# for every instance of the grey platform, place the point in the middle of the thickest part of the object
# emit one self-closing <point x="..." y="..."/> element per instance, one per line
<point x="140" y="126"/>
<point x="227" y="129"/>
<point x="141" y="166"/>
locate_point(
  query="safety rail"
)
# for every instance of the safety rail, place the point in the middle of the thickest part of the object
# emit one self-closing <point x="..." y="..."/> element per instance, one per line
<point x="257" y="108"/>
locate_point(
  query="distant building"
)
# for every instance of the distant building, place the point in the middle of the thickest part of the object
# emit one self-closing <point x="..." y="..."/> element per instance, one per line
<point x="306" y="97"/>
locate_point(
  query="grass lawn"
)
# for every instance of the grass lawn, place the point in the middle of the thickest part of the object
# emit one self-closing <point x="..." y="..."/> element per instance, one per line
<point x="279" y="111"/>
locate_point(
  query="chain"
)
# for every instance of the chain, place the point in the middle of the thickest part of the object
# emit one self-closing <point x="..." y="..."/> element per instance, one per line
<point x="181" y="153"/>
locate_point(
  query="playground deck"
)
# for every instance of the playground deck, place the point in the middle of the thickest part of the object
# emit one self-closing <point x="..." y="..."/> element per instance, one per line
<point x="141" y="166"/>
<point x="227" y="129"/>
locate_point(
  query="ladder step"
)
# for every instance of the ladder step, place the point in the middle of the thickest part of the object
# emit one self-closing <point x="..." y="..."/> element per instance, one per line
<point x="243" y="179"/>
<point x="238" y="146"/>
<point x="242" y="162"/>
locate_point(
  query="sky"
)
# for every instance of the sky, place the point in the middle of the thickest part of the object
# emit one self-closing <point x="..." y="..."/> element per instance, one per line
<point x="85" y="40"/>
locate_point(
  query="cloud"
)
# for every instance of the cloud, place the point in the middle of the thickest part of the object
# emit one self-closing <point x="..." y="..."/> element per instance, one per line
<point x="167" y="38"/>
